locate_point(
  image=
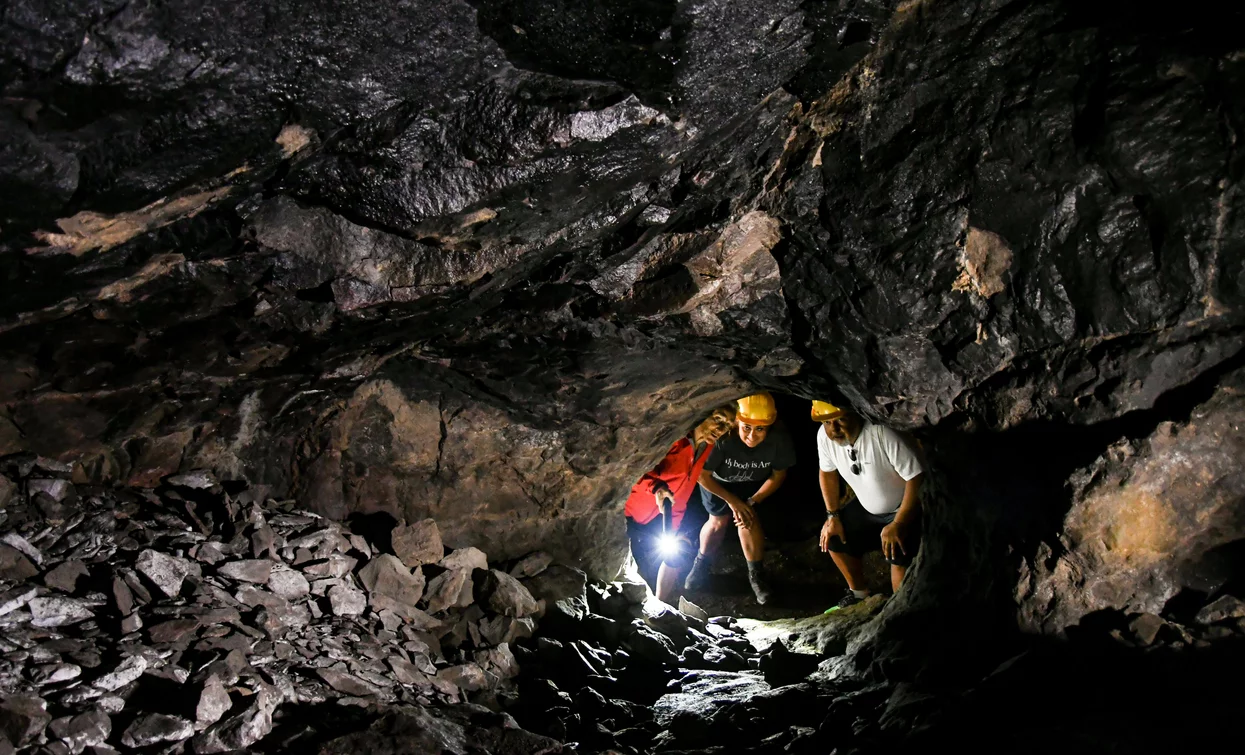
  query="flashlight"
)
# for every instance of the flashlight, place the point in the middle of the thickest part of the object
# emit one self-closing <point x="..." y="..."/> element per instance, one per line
<point x="668" y="543"/>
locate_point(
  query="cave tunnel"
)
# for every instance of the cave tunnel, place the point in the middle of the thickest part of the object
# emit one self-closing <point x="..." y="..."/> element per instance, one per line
<point x="333" y="336"/>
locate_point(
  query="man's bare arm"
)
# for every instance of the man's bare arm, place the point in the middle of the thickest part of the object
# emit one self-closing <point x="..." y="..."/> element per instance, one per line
<point x="911" y="499"/>
<point x="829" y="488"/>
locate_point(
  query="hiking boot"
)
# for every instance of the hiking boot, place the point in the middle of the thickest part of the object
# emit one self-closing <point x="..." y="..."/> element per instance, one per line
<point x="848" y="599"/>
<point x="760" y="587"/>
<point x="698" y="576"/>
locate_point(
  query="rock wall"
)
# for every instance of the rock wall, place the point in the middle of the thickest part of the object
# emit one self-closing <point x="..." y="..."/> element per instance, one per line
<point x="1148" y="519"/>
<point x="483" y="261"/>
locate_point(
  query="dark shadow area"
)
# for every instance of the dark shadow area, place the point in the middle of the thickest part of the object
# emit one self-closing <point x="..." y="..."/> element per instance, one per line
<point x="304" y="727"/>
<point x="1220" y="570"/>
<point x="376" y="528"/>
<point x="619" y="40"/>
<point x="1088" y="696"/>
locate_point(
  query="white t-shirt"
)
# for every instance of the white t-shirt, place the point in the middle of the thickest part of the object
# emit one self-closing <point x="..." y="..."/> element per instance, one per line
<point x="886" y="464"/>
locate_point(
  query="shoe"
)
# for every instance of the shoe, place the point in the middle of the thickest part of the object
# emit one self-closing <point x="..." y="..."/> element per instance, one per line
<point x="849" y="599"/>
<point x="698" y="576"/>
<point x="760" y="588"/>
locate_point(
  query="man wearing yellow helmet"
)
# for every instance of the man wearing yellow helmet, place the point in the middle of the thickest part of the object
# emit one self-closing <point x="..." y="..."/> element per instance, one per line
<point x="744" y="468"/>
<point x="885" y="473"/>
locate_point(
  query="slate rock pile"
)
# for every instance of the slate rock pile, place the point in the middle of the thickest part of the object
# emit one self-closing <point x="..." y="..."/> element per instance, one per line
<point x="192" y="619"/>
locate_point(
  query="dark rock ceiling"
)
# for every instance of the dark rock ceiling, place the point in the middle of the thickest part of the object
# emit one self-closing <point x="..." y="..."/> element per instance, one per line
<point x="482" y="261"/>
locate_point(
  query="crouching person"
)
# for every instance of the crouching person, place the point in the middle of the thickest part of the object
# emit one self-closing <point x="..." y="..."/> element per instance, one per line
<point x="662" y="555"/>
<point x="745" y="468"/>
<point x="885" y="473"/>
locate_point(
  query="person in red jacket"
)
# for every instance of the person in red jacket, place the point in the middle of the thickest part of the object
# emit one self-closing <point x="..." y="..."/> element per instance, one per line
<point x="673" y="481"/>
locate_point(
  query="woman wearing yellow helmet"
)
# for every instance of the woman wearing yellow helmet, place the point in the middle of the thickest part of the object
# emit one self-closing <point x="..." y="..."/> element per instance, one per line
<point x="745" y="468"/>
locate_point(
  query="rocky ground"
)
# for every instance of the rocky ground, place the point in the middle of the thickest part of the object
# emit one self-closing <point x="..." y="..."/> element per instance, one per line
<point x="805" y="581"/>
<point x="190" y="618"/>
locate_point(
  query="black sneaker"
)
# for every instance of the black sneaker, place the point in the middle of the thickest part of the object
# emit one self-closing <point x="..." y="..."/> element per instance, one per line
<point x="698" y="576"/>
<point x="760" y="587"/>
<point x="848" y="599"/>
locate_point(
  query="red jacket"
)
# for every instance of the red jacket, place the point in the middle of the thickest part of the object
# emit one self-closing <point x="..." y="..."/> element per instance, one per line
<point x="679" y="471"/>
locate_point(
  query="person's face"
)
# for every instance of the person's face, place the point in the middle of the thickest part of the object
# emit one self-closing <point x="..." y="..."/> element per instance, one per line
<point x="752" y="435"/>
<point x="842" y="428"/>
<point x="715" y="427"/>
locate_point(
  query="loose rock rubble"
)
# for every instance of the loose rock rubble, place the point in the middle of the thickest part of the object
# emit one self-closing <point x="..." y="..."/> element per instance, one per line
<point x="187" y="619"/>
<point x="615" y="670"/>
<point x="192" y="619"/>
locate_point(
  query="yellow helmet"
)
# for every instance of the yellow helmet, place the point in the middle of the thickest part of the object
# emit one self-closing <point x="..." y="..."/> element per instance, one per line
<point x="758" y="409"/>
<point x="824" y="411"/>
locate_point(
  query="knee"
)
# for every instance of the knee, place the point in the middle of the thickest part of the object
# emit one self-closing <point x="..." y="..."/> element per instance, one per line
<point x="718" y="523"/>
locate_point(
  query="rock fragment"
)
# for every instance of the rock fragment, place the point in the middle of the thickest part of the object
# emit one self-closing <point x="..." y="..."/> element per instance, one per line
<point x="347" y="683"/>
<point x="54" y="673"/>
<point x="243" y="730"/>
<point x="468" y="677"/>
<point x="154" y="728"/>
<point x="90" y="729"/>
<point x="496" y="630"/>
<point x="449" y="589"/>
<point x="1222" y="608"/>
<point x="14" y="565"/>
<point x="254" y="570"/>
<point x="418" y="543"/>
<point x="199" y="479"/>
<point x="561" y="584"/>
<point x="23" y="718"/>
<point x="498" y="661"/>
<point x="504" y="594"/>
<point x="123" y="597"/>
<point x="213" y="703"/>
<point x="391" y="585"/>
<point x="405" y="671"/>
<point x="11" y="600"/>
<point x="346" y="600"/>
<point x="127" y="671"/>
<point x="165" y="572"/>
<point x="1145" y="628"/>
<point x="16" y="541"/>
<point x="174" y="630"/>
<point x="288" y="584"/>
<point x="58" y="611"/>
<point x="7" y="491"/>
<point x="531" y="565"/>
<point x="335" y="566"/>
<point x="66" y="576"/>
<point x="688" y="608"/>
<point x="466" y="558"/>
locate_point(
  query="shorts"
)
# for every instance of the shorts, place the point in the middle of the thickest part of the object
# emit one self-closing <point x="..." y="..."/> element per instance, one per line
<point x="719" y="507"/>
<point x="647" y="551"/>
<point x="864" y="534"/>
